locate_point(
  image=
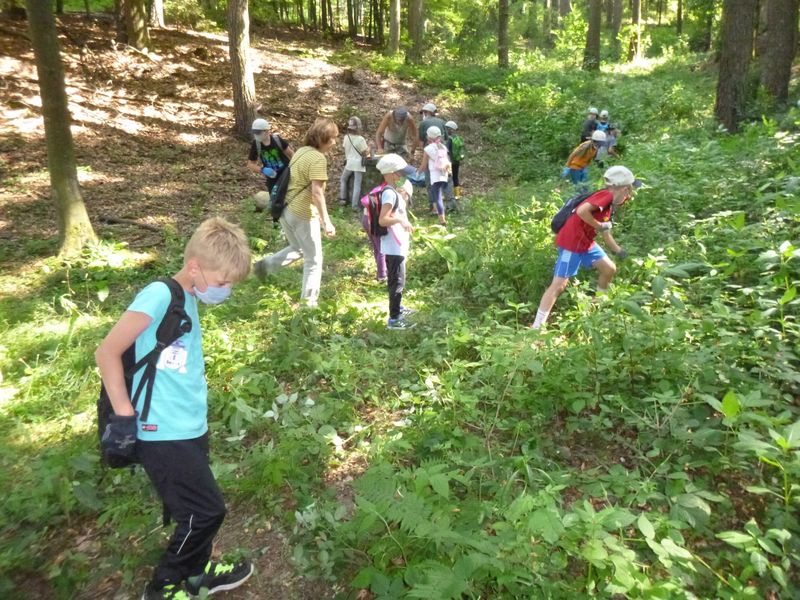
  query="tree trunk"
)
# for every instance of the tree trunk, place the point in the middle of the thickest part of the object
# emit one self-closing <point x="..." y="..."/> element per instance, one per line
<point x="324" y="14"/>
<point x="738" y="22"/>
<point x="591" y="54"/>
<point x="778" y="55"/>
<point x="660" y="9"/>
<point x="415" y="14"/>
<point x="331" y="22"/>
<point x="381" y="22"/>
<point x="635" y="47"/>
<point x="74" y="228"/>
<point x="120" y="21"/>
<point x="244" y="94"/>
<point x="761" y="38"/>
<point x="300" y="15"/>
<point x="312" y="13"/>
<point x="609" y="7"/>
<point x="616" y="25"/>
<point x="502" y="34"/>
<point x="156" y="13"/>
<point x="351" y="23"/>
<point x="136" y="24"/>
<point x="59" y="7"/>
<point x="394" y="27"/>
<point x="547" y="22"/>
<point x="564" y="8"/>
<point x="708" y="27"/>
<point x="679" y="18"/>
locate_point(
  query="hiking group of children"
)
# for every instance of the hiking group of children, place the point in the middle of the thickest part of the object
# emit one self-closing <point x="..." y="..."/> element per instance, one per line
<point x="169" y="437"/>
<point x="598" y="139"/>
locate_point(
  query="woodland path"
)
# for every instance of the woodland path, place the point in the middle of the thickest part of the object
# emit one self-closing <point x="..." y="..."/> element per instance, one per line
<point x="154" y="150"/>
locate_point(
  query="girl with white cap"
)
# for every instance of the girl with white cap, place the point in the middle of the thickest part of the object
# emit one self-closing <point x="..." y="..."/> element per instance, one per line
<point x="437" y="162"/>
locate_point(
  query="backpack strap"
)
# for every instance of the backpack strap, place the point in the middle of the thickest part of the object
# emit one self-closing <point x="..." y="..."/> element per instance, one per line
<point x="277" y="141"/>
<point x="174" y="324"/>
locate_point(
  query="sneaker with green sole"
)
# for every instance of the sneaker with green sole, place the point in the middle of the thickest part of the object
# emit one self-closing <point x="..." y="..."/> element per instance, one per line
<point x="220" y="577"/>
<point x="168" y="592"/>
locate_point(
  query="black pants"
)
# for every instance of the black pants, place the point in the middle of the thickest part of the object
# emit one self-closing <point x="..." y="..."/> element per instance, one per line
<point x="182" y="477"/>
<point x="396" y="281"/>
<point x="455" y="166"/>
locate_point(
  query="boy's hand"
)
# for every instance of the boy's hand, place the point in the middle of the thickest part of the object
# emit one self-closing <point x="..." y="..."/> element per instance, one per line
<point x="605" y="226"/>
<point x="120" y="436"/>
<point x="622" y="254"/>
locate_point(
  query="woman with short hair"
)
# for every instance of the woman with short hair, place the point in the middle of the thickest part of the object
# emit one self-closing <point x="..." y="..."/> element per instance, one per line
<point x="306" y="212"/>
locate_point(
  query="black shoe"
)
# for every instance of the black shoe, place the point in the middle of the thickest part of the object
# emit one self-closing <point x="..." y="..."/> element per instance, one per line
<point x="220" y="577"/>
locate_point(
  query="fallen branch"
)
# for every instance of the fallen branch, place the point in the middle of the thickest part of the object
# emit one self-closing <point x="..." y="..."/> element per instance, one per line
<point x="123" y="221"/>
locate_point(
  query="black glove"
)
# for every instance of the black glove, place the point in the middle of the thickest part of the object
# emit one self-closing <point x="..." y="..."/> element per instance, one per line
<point x="622" y="254"/>
<point x="119" y="438"/>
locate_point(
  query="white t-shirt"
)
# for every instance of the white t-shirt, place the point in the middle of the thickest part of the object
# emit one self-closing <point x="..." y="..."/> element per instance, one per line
<point x="398" y="241"/>
<point x="353" y="145"/>
<point x="436" y="175"/>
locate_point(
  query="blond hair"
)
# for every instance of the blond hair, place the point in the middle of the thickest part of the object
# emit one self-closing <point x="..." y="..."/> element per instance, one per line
<point x="321" y="132"/>
<point x="220" y="246"/>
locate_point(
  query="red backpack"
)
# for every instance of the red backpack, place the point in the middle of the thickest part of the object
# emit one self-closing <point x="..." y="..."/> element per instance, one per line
<point x="372" y="202"/>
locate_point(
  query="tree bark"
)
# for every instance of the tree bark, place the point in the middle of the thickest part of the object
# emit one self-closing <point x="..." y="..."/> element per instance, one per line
<point x="679" y="18"/>
<point x="244" y="94"/>
<point x="761" y="41"/>
<point x="564" y="8"/>
<point x="59" y="7"/>
<point x="156" y="13"/>
<point x="708" y="27"/>
<point x="394" y="27"/>
<point x="74" y="228"/>
<point x="616" y="25"/>
<point x="120" y="12"/>
<point x="738" y="22"/>
<point x="502" y="34"/>
<point x="779" y="53"/>
<point x="312" y="13"/>
<point x="415" y="14"/>
<point x="547" y="22"/>
<point x="136" y="24"/>
<point x="591" y="54"/>
<point x="635" y="47"/>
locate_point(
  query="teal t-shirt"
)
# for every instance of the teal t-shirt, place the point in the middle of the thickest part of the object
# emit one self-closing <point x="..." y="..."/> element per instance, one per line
<point x="179" y="406"/>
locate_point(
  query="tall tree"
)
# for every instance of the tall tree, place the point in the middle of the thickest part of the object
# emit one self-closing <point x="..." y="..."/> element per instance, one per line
<point x="502" y="34"/>
<point x="74" y="228"/>
<point x="136" y="24"/>
<point x="564" y="8"/>
<point x="156" y="14"/>
<point x="244" y="89"/>
<point x="415" y="14"/>
<point x="548" y="16"/>
<point x="679" y="18"/>
<point x="616" y="25"/>
<point x="635" y="45"/>
<point x="738" y="23"/>
<point x="591" y="54"/>
<point x="394" y="27"/>
<point x="781" y="46"/>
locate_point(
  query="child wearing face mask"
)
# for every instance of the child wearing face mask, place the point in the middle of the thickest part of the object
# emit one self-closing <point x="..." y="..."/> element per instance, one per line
<point x="172" y="443"/>
<point x="269" y="153"/>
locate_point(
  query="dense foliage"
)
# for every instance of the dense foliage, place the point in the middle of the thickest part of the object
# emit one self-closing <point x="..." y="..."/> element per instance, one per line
<point x="647" y="445"/>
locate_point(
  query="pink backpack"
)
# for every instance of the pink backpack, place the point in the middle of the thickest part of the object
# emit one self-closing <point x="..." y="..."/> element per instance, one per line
<point x="442" y="160"/>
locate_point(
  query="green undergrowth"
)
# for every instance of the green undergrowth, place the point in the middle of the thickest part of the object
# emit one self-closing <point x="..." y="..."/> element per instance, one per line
<point x="645" y="445"/>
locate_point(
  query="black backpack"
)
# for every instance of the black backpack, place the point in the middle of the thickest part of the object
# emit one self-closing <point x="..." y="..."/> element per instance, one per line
<point x="374" y="209"/>
<point x="174" y="324"/>
<point x="277" y="195"/>
<point x="566" y="211"/>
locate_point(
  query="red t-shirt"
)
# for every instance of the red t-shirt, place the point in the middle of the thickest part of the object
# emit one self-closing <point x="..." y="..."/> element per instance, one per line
<point x="577" y="235"/>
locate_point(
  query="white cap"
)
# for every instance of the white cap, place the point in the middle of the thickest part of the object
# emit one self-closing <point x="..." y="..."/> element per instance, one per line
<point x="598" y="136"/>
<point x="429" y="107"/>
<point x="592" y="110"/>
<point x="603" y="114"/>
<point x="620" y="175"/>
<point x="262" y="199"/>
<point x="260" y="125"/>
<point x="433" y="132"/>
<point x="391" y="163"/>
<point x="354" y="123"/>
<point x="451" y="125"/>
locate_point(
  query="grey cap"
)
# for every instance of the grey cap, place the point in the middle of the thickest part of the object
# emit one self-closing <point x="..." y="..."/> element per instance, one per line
<point x="400" y="113"/>
<point x="354" y="123"/>
<point x="429" y="107"/>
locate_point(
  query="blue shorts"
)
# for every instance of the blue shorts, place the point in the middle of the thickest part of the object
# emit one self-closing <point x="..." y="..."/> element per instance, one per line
<point x="577" y="176"/>
<point x="568" y="263"/>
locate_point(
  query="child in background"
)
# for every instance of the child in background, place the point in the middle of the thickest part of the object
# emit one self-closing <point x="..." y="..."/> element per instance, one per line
<point x="395" y="243"/>
<point x="355" y="150"/>
<point x="609" y="147"/>
<point x="437" y="162"/>
<point x="603" y="124"/>
<point x="581" y="157"/>
<point x="455" y="147"/>
<point x="269" y="154"/>
<point x="172" y="444"/>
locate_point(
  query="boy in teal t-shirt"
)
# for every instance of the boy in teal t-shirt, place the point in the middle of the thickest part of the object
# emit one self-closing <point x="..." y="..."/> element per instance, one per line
<point x="455" y="147"/>
<point x="172" y="443"/>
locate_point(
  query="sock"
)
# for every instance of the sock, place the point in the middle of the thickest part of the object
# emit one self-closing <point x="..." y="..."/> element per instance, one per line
<point x="541" y="318"/>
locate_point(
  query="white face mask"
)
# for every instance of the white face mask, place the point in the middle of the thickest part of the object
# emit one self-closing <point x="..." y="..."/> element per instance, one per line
<point x="259" y="137"/>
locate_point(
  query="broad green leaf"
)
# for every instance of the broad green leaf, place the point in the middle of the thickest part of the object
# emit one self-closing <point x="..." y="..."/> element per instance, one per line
<point x="633" y="308"/>
<point x="792" y="435"/>
<point x="769" y="546"/>
<point x="693" y="501"/>
<point x="736" y="539"/>
<point x="730" y="405"/>
<point x="760" y="562"/>
<point x="674" y="550"/>
<point x="788" y="295"/>
<point x="779" y="575"/>
<point x="594" y="551"/>
<point x="86" y="494"/>
<point x="756" y="489"/>
<point x="546" y="523"/>
<point x="646" y="527"/>
<point x="659" y="284"/>
<point x="440" y="484"/>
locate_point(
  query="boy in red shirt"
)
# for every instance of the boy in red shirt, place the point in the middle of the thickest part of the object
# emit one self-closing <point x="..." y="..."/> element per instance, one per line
<point x="575" y="240"/>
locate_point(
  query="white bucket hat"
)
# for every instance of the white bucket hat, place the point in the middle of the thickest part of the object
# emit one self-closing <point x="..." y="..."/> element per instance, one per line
<point x="391" y="163"/>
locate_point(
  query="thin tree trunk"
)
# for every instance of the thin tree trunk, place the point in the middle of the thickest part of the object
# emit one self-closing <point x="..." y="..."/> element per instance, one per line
<point x="136" y="24"/>
<point x="609" y="7"/>
<point x="74" y="228"/>
<point x="738" y="22"/>
<point x="547" y="22"/>
<point x="779" y="53"/>
<point x="616" y="25"/>
<point x="120" y="21"/>
<point x="156" y="13"/>
<point x="59" y="7"/>
<point x="381" y="25"/>
<point x="564" y="8"/>
<point x="88" y="9"/>
<point x="591" y="54"/>
<point x="300" y="15"/>
<point x="679" y="18"/>
<point x="312" y="13"/>
<point x="660" y="9"/>
<point x="708" y="27"/>
<point x="394" y="27"/>
<point x="502" y="34"/>
<point x="415" y="13"/>
<point x="635" y="47"/>
<point x="244" y="94"/>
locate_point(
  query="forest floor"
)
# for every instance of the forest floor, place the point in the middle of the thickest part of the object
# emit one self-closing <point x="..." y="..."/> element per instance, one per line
<point x="155" y="153"/>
